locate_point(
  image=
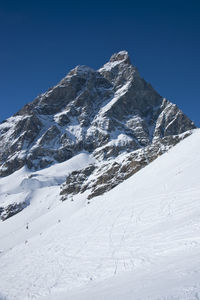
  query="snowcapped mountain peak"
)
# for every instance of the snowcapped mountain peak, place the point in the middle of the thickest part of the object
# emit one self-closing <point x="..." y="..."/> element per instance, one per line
<point x="121" y="56"/>
<point x="81" y="70"/>
<point x="118" y="70"/>
<point x="87" y="111"/>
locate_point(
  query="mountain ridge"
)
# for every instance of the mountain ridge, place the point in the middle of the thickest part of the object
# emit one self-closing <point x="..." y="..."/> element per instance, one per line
<point x="112" y="113"/>
<point x="84" y="111"/>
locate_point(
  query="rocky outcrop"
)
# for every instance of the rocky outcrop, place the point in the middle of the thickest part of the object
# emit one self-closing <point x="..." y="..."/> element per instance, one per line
<point x="11" y="210"/>
<point x="106" y="112"/>
<point x="97" y="180"/>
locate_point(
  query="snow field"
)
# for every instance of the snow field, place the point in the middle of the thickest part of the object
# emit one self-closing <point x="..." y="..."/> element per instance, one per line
<point x="139" y="241"/>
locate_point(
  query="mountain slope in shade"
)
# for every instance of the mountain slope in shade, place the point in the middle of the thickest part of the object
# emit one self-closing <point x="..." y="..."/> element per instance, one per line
<point x="138" y="241"/>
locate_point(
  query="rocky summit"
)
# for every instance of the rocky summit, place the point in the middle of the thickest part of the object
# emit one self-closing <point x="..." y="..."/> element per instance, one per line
<point x="111" y="113"/>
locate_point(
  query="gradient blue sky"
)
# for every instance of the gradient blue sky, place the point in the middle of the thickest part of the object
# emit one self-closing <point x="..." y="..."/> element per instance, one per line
<point x="42" y="40"/>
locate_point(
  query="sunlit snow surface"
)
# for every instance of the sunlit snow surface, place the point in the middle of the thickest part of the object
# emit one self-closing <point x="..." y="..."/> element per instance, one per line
<point x="141" y="240"/>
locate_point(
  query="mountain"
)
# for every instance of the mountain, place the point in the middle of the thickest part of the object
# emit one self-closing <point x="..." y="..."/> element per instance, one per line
<point x="138" y="241"/>
<point x="99" y="192"/>
<point x="89" y="110"/>
<point x="112" y="114"/>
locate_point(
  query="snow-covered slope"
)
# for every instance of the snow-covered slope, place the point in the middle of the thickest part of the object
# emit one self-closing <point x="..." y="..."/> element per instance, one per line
<point x="138" y="241"/>
<point x="41" y="191"/>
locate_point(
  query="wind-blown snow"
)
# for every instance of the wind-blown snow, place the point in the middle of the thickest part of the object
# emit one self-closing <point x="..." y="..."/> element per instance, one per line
<point x="139" y="241"/>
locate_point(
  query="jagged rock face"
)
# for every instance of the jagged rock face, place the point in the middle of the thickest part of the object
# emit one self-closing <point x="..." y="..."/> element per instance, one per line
<point x="11" y="210"/>
<point x="98" y="179"/>
<point x="106" y="112"/>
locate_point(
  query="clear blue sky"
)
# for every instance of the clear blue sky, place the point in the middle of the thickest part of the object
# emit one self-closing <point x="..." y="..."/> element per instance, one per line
<point x="42" y="40"/>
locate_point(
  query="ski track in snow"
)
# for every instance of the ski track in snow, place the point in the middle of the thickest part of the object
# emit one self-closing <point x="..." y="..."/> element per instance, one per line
<point x="141" y="240"/>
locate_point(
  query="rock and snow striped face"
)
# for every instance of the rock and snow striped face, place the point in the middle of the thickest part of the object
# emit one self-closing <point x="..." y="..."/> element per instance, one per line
<point x="86" y="111"/>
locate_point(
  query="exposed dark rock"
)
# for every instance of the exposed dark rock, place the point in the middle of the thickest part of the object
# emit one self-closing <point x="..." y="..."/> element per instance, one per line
<point x="75" y="181"/>
<point x="11" y="210"/>
<point x="106" y="112"/>
<point x="112" y="173"/>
